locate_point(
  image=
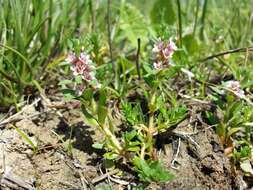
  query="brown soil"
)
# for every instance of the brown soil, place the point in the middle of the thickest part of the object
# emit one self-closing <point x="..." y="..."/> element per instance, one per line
<point x="199" y="164"/>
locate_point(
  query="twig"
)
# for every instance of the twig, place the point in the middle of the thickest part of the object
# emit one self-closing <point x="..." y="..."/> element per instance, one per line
<point x="4" y="166"/>
<point x="177" y="153"/>
<point x="246" y="57"/>
<point x="138" y="58"/>
<point x="102" y="177"/>
<point x="83" y="181"/>
<point x="14" y="118"/>
<point x="237" y="50"/>
<point x="193" y="141"/>
<point x="3" y="123"/>
<point x="13" y="181"/>
<point x="119" y="181"/>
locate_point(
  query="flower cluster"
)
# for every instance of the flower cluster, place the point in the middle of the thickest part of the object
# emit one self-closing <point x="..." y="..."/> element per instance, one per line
<point x="235" y="87"/>
<point x="84" y="67"/>
<point x="162" y="53"/>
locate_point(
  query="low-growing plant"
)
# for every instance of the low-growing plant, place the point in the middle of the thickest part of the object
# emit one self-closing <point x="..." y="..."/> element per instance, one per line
<point x="136" y="146"/>
<point x="234" y="121"/>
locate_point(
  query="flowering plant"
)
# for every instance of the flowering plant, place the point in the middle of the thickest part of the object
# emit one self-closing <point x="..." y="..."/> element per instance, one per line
<point x="84" y="70"/>
<point x="162" y="53"/>
<point x="135" y="147"/>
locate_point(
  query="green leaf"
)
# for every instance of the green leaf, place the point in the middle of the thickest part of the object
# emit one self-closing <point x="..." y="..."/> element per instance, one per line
<point x="26" y="138"/>
<point x="87" y="94"/>
<point x="245" y="152"/>
<point x="65" y="82"/>
<point x="88" y="118"/>
<point x="110" y="155"/>
<point x="132" y="24"/>
<point x="102" y="114"/>
<point x="102" y="97"/>
<point x="190" y="43"/>
<point x="221" y="130"/>
<point x="133" y="114"/>
<point x="69" y="94"/>
<point x="233" y="130"/>
<point x="163" y="12"/>
<point x="78" y="79"/>
<point x="130" y="135"/>
<point x="98" y="145"/>
<point x="108" y="163"/>
<point x="151" y="171"/>
<point x="134" y="149"/>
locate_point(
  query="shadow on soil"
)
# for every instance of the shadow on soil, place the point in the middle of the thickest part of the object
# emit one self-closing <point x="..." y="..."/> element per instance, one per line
<point x="81" y="135"/>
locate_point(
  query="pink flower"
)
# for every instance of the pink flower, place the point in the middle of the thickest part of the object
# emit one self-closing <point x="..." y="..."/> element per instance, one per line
<point x="71" y="57"/>
<point x="162" y="53"/>
<point x="81" y="65"/>
<point x="169" y="50"/>
<point x="158" y="65"/>
<point x="84" y="67"/>
<point x="158" y="46"/>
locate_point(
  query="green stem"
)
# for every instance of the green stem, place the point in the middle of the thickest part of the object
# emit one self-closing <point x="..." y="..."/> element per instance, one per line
<point x="112" y="138"/>
<point x="93" y="20"/>
<point x="109" y="32"/>
<point x="151" y="123"/>
<point x="179" y="23"/>
<point x="138" y="58"/>
<point x="196" y="18"/>
<point x="203" y="20"/>
<point x="152" y="110"/>
<point x="143" y="148"/>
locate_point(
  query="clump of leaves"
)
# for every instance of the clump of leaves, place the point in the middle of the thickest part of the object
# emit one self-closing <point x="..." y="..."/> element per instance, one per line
<point x="233" y="119"/>
<point x="151" y="170"/>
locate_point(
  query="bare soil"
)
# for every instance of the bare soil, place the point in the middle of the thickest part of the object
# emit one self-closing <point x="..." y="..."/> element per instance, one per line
<point x="192" y="153"/>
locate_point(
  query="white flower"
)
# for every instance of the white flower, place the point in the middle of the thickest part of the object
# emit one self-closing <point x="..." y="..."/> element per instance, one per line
<point x="158" y="65"/>
<point x="235" y="87"/>
<point x="162" y="53"/>
<point x="84" y="67"/>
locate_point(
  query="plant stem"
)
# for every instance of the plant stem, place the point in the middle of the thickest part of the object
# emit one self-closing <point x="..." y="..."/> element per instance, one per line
<point x="237" y="50"/>
<point x="93" y="19"/>
<point x="151" y="111"/>
<point x="143" y="148"/>
<point x="179" y="23"/>
<point x="109" y="32"/>
<point x="203" y="20"/>
<point x="196" y="18"/>
<point x="151" y="123"/>
<point x="112" y="138"/>
<point x="138" y="58"/>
